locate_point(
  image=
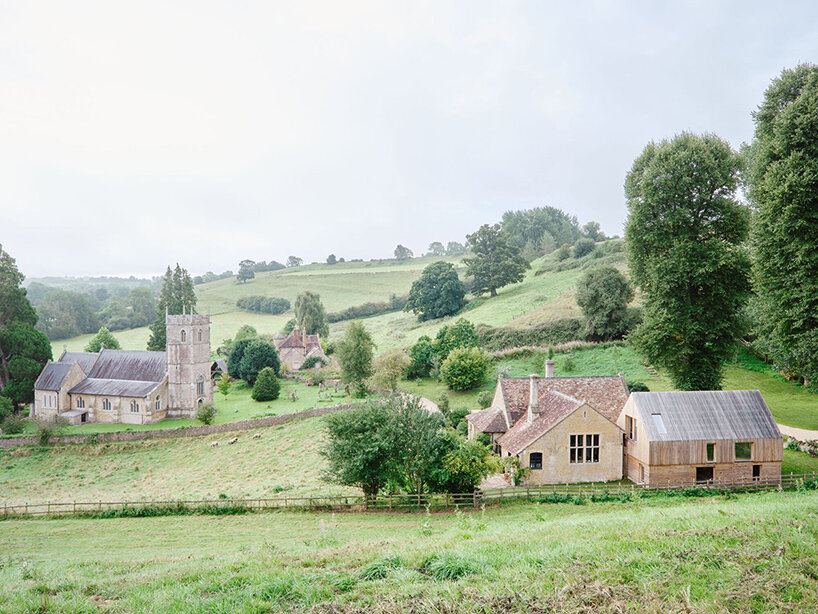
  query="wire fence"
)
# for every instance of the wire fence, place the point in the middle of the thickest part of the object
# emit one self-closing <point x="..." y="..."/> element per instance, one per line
<point x="399" y="502"/>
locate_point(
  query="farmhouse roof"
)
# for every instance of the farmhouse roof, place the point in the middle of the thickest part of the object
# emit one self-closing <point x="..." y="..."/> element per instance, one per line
<point x="490" y="420"/>
<point x="130" y="365"/>
<point x="114" y="387"/>
<point x="554" y="406"/>
<point x="53" y="376"/>
<point x="701" y="415"/>
<point x="606" y="394"/>
<point x="84" y="359"/>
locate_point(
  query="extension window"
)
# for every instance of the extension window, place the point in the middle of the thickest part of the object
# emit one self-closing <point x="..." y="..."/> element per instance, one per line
<point x="584" y="448"/>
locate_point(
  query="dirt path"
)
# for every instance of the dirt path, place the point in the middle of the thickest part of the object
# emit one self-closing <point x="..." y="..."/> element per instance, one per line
<point x="799" y="434"/>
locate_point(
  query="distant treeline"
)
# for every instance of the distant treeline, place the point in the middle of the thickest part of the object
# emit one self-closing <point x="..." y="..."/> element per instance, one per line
<point x="264" y="304"/>
<point x="366" y="310"/>
<point x="211" y="276"/>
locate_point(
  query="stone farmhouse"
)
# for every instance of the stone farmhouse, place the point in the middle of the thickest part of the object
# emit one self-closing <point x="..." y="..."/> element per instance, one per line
<point x="294" y="349"/>
<point x="591" y="429"/>
<point x="131" y="387"/>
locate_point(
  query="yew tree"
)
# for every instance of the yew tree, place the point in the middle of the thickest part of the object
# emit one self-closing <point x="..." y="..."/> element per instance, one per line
<point x="684" y="239"/>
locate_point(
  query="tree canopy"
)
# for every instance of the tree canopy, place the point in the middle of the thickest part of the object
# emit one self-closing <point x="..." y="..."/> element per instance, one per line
<point x="246" y="271"/>
<point x="437" y="293"/>
<point x="310" y="314"/>
<point x="403" y="253"/>
<point x="257" y="355"/>
<point x="105" y="339"/>
<point x="528" y="228"/>
<point x="496" y="261"/>
<point x="603" y="295"/>
<point x="436" y="249"/>
<point x="783" y="182"/>
<point x="24" y="350"/>
<point x="177" y="295"/>
<point x="267" y="386"/>
<point x="684" y="237"/>
<point x="355" y="355"/>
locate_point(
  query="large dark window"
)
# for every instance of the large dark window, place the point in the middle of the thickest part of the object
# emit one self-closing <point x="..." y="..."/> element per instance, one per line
<point x="704" y="474"/>
<point x="535" y="460"/>
<point x="584" y="449"/>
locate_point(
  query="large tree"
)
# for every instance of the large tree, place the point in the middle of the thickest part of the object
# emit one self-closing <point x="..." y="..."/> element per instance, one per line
<point x="177" y="295"/>
<point x="355" y="355"/>
<point x="246" y="271"/>
<point x="310" y="314"/>
<point x="403" y="253"/>
<point x="603" y="295"/>
<point x="784" y="187"/>
<point x="103" y="339"/>
<point x="497" y="262"/>
<point x="258" y="354"/>
<point x="24" y="350"/>
<point x="64" y="314"/>
<point x="684" y="239"/>
<point x="437" y="293"/>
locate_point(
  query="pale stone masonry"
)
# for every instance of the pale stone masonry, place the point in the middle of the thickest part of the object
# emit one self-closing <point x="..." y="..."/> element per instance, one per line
<point x="131" y="387"/>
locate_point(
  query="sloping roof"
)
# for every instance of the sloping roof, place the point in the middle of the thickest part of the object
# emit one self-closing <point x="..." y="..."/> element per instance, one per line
<point x="713" y="414"/>
<point x="490" y="420"/>
<point x="606" y="394"/>
<point x="85" y="359"/>
<point x="114" y="387"/>
<point x="293" y="341"/>
<point x="130" y="365"/>
<point x="53" y="376"/>
<point x="554" y="406"/>
<point x="220" y="364"/>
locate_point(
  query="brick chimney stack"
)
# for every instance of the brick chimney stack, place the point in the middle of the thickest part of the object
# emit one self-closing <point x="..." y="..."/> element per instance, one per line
<point x="549" y="368"/>
<point x="534" y="397"/>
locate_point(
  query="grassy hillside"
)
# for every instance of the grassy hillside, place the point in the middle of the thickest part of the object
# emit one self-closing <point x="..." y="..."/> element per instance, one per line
<point x="653" y="555"/>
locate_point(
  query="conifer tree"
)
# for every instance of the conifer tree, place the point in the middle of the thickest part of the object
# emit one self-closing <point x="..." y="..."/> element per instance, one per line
<point x="177" y="295"/>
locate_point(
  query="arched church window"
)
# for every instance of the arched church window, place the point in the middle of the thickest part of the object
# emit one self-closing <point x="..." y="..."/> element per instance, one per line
<point x="200" y="385"/>
<point x="184" y="336"/>
<point x="158" y="403"/>
<point x="134" y="407"/>
<point x="200" y="334"/>
<point x="106" y="405"/>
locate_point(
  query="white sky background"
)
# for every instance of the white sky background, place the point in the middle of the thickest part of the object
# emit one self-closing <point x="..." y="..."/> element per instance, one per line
<point x="138" y="134"/>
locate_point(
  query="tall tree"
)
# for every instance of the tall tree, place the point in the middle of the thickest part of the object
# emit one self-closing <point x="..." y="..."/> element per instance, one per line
<point x="177" y="295"/>
<point x="246" y="271"/>
<point x="331" y="259"/>
<point x="603" y="295"/>
<point x="436" y="249"/>
<point x="455" y="248"/>
<point x="355" y="355"/>
<point x="684" y="239"/>
<point x="310" y="314"/>
<point x="24" y="350"/>
<point x="294" y="261"/>
<point x="103" y="339"/>
<point x="403" y="253"/>
<point x="528" y="227"/>
<point x="496" y="262"/>
<point x="437" y="293"/>
<point x="783" y="182"/>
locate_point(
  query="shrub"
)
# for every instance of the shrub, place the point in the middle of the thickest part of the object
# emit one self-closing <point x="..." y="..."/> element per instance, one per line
<point x="569" y="364"/>
<point x="443" y="402"/>
<point x="206" y="413"/>
<point x="47" y="430"/>
<point x="312" y="361"/>
<point x="456" y="416"/>
<point x="264" y="304"/>
<point x="13" y="424"/>
<point x="485" y="398"/>
<point x="464" y="369"/>
<point x="420" y="358"/>
<point x="395" y="303"/>
<point x="267" y="387"/>
<point x="6" y="407"/>
<point x="257" y="355"/>
<point x="564" y="252"/>
<point x="583" y="247"/>
<point x="555" y="332"/>
<point x="638" y="387"/>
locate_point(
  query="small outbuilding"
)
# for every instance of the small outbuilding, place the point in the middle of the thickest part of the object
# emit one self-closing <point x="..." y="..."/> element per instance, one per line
<point x="700" y="437"/>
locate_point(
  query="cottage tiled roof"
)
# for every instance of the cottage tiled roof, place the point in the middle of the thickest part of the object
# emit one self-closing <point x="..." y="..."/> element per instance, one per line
<point x="554" y="406"/>
<point x="293" y="341"/>
<point x="711" y="414"/>
<point x="606" y="394"/>
<point x="53" y="376"/>
<point x="490" y="420"/>
<point x="131" y="365"/>
<point x="85" y="359"/>
<point x="114" y="387"/>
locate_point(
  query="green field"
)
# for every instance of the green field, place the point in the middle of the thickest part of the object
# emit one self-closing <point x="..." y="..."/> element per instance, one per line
<point x="746" y="553"/>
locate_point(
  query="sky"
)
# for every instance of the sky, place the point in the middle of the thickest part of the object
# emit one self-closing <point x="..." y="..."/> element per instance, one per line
<point x="138" y="134"/>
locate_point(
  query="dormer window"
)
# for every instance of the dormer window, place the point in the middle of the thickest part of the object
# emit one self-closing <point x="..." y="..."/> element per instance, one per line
<point x="184" y="336"/>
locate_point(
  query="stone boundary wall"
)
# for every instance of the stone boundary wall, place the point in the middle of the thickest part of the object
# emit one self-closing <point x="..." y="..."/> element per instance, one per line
<point x="185" y="431"/>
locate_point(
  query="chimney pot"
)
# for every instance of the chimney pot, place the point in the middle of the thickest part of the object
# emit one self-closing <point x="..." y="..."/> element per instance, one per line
<point x="534" y="397"/>
<point x="549" y="368"/>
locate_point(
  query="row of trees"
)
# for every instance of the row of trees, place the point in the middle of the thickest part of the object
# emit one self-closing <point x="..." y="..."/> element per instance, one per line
<point x="712" y="269"/>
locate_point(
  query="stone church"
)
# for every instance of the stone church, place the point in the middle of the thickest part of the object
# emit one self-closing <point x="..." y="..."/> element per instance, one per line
<point x="131" y="387"/>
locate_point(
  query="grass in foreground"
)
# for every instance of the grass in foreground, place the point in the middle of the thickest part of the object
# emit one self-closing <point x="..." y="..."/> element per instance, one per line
<point x="751" y="553"/>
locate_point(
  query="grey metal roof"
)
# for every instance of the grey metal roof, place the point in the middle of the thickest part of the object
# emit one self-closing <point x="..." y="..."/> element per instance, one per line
<point x="220" y="364"/>
<point x="712" y="414"/>
<point x="85" y="359"/>
<point x="132" y="365"/>
<point x="114" y="387"/>
<point x="53" y="376"/>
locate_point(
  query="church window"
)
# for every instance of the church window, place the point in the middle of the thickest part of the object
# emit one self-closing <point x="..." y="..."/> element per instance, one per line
<point x="184" y="336"/>
<point x="106" y="405"/>
<point x="80" y="403"/>
<point x="200" y="335"/>
<point x="134" y="407"/>
<point x="158" y="403"/>
<point x="200" y="385"/>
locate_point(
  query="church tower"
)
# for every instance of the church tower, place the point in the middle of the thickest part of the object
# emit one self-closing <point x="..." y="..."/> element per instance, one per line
<point x="188" y="359"/>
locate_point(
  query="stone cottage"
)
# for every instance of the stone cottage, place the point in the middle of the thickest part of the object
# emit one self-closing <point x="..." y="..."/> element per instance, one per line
<point x="296" y="348"/>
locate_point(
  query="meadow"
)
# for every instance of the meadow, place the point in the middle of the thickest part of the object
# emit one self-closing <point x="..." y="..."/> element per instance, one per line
<point x="744" y="553"/>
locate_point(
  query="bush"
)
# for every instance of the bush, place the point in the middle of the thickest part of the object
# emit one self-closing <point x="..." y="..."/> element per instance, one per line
<point x="485" y="398"/>
<point x="6" y="407"/>
<point x="638" y="387"/>
<point x="264" y="304"/>
<point x="312" y="361"/>
<point x="13" y="424"/>
<point x="443" y="402"/>
<point x="464" y="369"/>
<point x="267" y="387"/>
<point x="555" y="332"/>
<point x="564" y="252"/>
<point x="206" y="413"/>
<point x="583" y="247"/>
<point x="46" y="430"/>
<point x="457" y="416"/>
<point x="395" y="303"/>
<point x="420" y="358"/>
<point x="568" y="364"/>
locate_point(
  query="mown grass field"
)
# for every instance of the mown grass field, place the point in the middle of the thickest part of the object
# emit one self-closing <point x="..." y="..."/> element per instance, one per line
<point x="746" y="553"/>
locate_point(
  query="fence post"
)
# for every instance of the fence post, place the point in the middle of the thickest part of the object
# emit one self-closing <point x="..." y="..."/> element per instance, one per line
<point x="474" y="496"/>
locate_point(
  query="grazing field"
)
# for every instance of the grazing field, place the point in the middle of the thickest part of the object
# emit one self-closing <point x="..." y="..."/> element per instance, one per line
<point x="284" y="461"/>
<point x="746" y="553"/>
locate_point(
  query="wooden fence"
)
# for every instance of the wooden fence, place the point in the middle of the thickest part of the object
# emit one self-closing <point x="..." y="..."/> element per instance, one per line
<point x="399" y="502"/>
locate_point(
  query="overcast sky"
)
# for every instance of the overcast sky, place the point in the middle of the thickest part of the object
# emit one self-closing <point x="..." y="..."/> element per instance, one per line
<point x="134" y="135"/>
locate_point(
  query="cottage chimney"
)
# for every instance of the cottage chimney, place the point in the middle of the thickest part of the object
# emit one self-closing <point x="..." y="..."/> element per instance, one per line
<point x="534" y="397"/>
<point x="549" y="368"/>
<point x="304" y="336"/>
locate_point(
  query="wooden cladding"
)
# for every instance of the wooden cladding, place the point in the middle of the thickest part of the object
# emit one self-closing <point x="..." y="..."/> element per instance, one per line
<point x="696" y="452"/>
